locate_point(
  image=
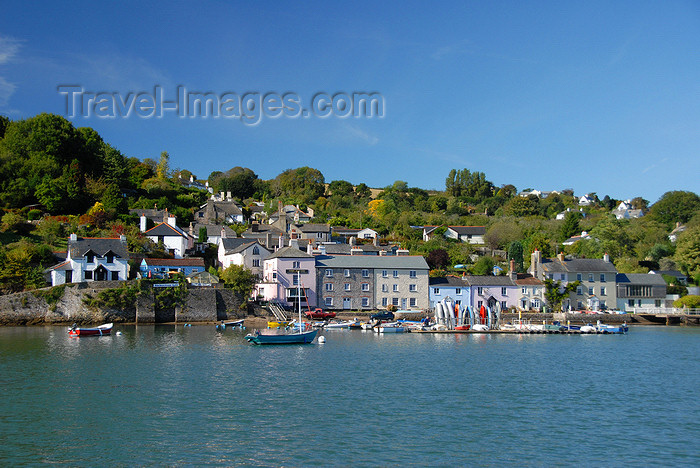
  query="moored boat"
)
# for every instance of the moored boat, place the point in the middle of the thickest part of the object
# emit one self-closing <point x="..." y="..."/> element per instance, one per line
<point x="101" y="330"/>
<point x="262" y="337"/>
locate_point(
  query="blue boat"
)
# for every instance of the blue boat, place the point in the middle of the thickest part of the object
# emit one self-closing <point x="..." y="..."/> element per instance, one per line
<point x="281" y="337"/>
<point x="603" y="328"/>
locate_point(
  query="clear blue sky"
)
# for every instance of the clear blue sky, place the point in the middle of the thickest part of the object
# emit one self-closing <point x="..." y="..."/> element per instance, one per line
<point x="596" y="96"/>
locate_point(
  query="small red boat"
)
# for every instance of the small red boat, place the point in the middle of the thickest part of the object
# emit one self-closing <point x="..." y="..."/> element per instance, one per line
<point x="102" y="330"/>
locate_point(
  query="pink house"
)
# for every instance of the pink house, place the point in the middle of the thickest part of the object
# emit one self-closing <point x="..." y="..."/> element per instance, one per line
<point x="289" y="274"/>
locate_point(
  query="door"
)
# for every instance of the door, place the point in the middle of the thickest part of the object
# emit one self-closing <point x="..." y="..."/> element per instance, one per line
<point x="347" y="302"/>
<point x="403" y="304"/>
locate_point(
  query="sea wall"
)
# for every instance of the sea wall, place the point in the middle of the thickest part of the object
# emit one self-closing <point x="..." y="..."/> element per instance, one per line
<point x="69" y="304"/>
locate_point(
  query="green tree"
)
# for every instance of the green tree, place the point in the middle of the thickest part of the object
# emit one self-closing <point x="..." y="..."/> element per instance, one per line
<point x="303" y="184"/>
<point x="555" y="293"/>
<point x="688" y="251"/>
<point x="516" y="252"/>
<point x="239" y="279"/>
<point x="483" y="266"/>
<point x="676" y="206"/>
<point x="202" y="235"/>
<point x="340" y="188"/>
<point x="163" y="167"/>
<point x="570" y="227"/>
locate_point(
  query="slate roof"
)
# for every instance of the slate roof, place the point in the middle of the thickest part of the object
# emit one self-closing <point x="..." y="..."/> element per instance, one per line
<point x="214" y="230"/>
<point x="314" y="227"/>
<point x="177" y="262"/>
<point x="447" y="281"/>
<point x="234" y="245"/>
<point x="578" y="265"/>
<point x="469" y="230"/>
<point x="290" y="252"/>
<point x="525" y="279"/>
<point x="153" y="214"/>
<point x="98" y="245"/>
<point x="640" y="278"/>
<point x="415" y="262"/>
<point x="165" y="229"/>
<point x="489" y="280"/>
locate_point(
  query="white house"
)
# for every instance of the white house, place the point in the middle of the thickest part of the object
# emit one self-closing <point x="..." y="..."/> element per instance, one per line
<point x="175" y="240"/>
<point x="468" y="234"/>
<point x="92" y="259"/>
<point x="572" y="240"/>
<point x="244" y="252"/>
<point x="562" y="215"/>
<point x="452" y="287"/>
<point x="586" y="200"/>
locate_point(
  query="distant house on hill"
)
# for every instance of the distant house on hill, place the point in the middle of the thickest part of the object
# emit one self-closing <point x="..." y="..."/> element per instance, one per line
<point x="92" y="259"/>
<point x="573" y="239"/>
<point x="219" y="212"/>
<point x="175" y="240"/>
<point x="467" y="234"/>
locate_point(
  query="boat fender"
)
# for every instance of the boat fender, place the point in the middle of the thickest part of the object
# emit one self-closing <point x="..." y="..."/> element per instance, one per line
<point x="321" y="339"/>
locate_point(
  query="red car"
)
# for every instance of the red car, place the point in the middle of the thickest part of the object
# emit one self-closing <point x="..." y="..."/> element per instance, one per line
<point x="319" y="314"/>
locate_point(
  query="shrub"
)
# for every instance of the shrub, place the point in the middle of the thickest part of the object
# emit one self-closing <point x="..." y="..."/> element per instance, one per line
<point x="691" y="302"/>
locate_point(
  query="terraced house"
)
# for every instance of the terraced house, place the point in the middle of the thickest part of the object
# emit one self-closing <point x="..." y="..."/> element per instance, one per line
<point x="92" y="259"/>
<point x="597" y="289"/>
<point x="362" y="282"/>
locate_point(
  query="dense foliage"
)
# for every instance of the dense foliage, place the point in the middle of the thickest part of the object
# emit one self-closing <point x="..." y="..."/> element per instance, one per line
<point x="56" y="179"/>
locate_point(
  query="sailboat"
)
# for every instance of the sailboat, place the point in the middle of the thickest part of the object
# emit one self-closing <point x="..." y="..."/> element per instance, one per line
<point x="298" y="335"/>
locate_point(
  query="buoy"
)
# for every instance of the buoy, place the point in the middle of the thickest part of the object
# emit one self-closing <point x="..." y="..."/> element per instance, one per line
<point x="321" y="339"/>
<point x="119" y="333"/>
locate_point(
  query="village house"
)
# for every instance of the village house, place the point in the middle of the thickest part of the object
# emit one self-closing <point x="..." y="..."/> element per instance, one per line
<point x="362" y="282"/>
<point x="488" y="290"/>
<point x="467" y="234"/>
<point x="173" y="239"/>
<point x="215" y="232"/>
<point x="640" y="290"/>
<point x="92" y="259"/>
<point x="311" y="231"/>
<point x="597" y="289"/>
<point x="168" y="267"/>
<point x="289" y="276"/>
<point x="452" y="287"/>
<point x="531" y="292"/>
<point x="573" y="239"/>
<point x="219" y="212"/>
<point x="248" y="253"/>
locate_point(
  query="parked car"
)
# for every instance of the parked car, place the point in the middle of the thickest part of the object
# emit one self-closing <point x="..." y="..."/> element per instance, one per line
<point x="388" y="315"/>
<point x="319" y="314"/>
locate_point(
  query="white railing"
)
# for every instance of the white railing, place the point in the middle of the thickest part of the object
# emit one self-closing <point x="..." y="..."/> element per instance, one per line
<point x="663" y="311"/>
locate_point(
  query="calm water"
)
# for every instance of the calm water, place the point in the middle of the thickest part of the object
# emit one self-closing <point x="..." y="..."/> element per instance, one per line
<point x="188" y="396"/>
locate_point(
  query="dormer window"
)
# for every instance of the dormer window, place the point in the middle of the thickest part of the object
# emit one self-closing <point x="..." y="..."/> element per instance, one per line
<point x="90" y="257"/>
<point x="110" y="257"/>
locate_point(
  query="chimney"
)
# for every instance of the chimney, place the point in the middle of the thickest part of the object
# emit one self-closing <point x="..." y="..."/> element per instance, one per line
<point x="191" y="178"/>
<point x="172" y="220"/>
<point x="122" y="238"/>
<point x="535" y="263"/>
<point x="511" y="272"/>
<point x="223" y="232"/>
<point x="309" y="248"/>
<point x="606" y="258"/>
<point x="268" y="239"/>
<point x="73" y="237"/>
<point x="402" y="253"/>
<point x="191" y="229"/>
<point x="279" y="208"/>
<point x="166" y="215"/>
<point x="355" y="251"/>
<point x="322" y="249"/>
<point x="254" y="227"/>
<point x="382" y="253"/>
<point x="294" y="243"/>
<point x="221" y="196"/>
<point x="353" y="240"/>
<point x="228" y="195"/>
<point x="561" y="257"/>
<point x="280" y="242"/>
<point x="142" y="224"/>
<point x="375" y="241"/>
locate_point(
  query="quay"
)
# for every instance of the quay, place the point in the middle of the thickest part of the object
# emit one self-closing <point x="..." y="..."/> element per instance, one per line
<point x="513" y="332"/>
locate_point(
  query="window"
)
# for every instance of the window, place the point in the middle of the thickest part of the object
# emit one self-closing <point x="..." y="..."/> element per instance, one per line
<point x="329" y="273"/>
<point x="395" y="288"/>
<point x="480" y="291"/>
<point x="256" y="262"/>
<point x="602" y="277"/>
<point x="395" y="301"/>
<point x="90" y="258"/>
<point x="412" y="274"/>
<point x="479" y="304"/>
<point x="657" y="303"/>
<point x="504" y="306"/>
<point x="523" y="290"/>
<point x="602" y="304"/>
<point x="110" y="258"/>
<point x="602" y="290"/>
<point x="385" y="273"/>
<point x="347" y="286"/>
<point x="329" y="286"/>
<point x="579" y="305"/>
<point x="436" y="290"/>
<point x="551" y="276"/>
<point x="319" y="235"/>
<point x="385" y="288"/>
<point x="562" y="276"/>
<point x="385" y="301"/>
<point x="590" y="277"/>
<point x="579" y="277"/>
<point x="365" y="302"/>
<point x="591" y="291"/>
<point x="630" y="302"/>
<point x="535" y="291"/>
<point x="396" y="273"/>
<point x="88" y="275"/>
<point x="346" y="272"/>
<point x="256" y="250"/>
<point x="458" y="291"/>
<point x="504" y="291"/>
<point x="274" y="275"/>
<point x="365" y="286"/>
<point x="295" y="280"/>
<point x="412" y="301"/>
<point x="329" y="301"/>
<point x="115" y="276"/>
<point x="296" y="264"/>
<point x="365" y="273"/>
<point x="536" y="303"/>
<point x="579" y="290"/>
<point x="412" y="287"/>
